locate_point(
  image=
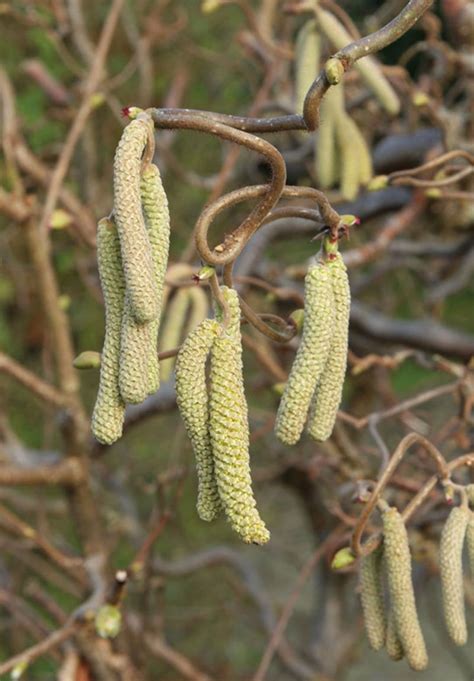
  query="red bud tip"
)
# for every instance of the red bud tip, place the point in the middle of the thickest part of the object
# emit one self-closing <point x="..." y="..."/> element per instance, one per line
<point x="126" y="111"/>
<point x="196" y="278"/>
<point x="357" y="221"/>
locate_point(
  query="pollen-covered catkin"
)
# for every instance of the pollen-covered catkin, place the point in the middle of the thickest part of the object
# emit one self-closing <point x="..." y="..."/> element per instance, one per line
<point x="307" y="51"/>
<point x="392" y="641"/>
<point x="192" y="399"/>
<point x="326" y="152"/>
<point x="349" y="157"/>
<point x="109" y="409"/>
<point x="327" y="396"/>
<point x="311" y="356"/>
<point x="173" y="329"/>
<point x="136" y="342"/>
<point x="451" y="573"/>
<point x="229" y="428"/>
<point x="157" y="222"/>
<point x="371" y="593"/>
<point x="470" y="543"/>
<point x="402" y="597"/>
<point x="134" y="241"/>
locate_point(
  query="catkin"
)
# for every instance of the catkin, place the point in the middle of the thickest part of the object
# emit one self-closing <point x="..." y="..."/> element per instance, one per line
<point x="326" y="152"/>
<point x="307" y="51"/>
<point x="402" y="596"/>
<point x="327" y="396"/>
<point x="192" y="399"/>
<point x="157" y="222"/>
<point x="349" y="157"/>
<point x="392" y="640"/>
<point x="470" y="543"/>
<point x="229" y="429"/>
<point x="371" y="593"/>
<point x="173" y="328"/>
<point x="134" y="241"/>
<point x="451" y="573"/>
<point x="311" y="356"/>
<point x="136" y="341"/>
<point x="109" y="409"/>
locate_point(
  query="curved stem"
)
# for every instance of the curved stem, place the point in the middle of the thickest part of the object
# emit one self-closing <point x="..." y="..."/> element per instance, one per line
<point x="253" y="318"/>
<point x="361" y="48"/>
<point x="404" y="445"/>
<point x="233" y="244"/>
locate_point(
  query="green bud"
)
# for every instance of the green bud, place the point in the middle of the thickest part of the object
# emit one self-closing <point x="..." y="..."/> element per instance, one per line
<point x="378" y="182"/>
<point x="298" y="319"/>
<point x="334" y="70"/>
<point x="206" y="272"/>
<point x="89" y="359"/>
<point x="342" y="558"/>
<point x="108" y="621"/>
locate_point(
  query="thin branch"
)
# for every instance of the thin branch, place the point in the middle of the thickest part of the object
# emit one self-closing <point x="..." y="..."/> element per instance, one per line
<point x="33" y="383"/>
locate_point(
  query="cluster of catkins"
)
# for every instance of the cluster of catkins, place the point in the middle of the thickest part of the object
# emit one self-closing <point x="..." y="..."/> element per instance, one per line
<point x="316" y="379"/>
<point x="342" y="155"/>
<point x="399" y="631"/>
<point x="217" y="420"/>
<point x="132" y="253"/>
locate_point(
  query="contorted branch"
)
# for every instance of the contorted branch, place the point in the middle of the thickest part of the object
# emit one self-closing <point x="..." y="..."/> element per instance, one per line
<point x="361" y="48"/>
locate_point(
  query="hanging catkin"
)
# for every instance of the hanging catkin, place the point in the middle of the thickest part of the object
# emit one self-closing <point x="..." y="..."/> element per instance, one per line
<point x="307" y="57"/>
<point x="135" y="380"/>
<point x="392" y="640"/>
<point x="470" y="543"/>
<point x="311" y="356"/>
<point x="229" y="429"/>
<point x="157" y="221"/>
<point x="451" y="573"/>
<point x="134" y="241"/>
<point x="192" y="399"/>
<point x="173" y="328"/>
<point x="327" y="396"/>
<point x="371" y="593"/>
<point x="326" y="152"/>
<point x="402" y="597"/>
<point x="109" y="410"/>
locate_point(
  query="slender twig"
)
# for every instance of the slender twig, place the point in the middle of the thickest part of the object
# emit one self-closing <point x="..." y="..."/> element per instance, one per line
<point x="31" y="654"/>
<point x="85" y="109"/>
<point x="290" y="604"/>
<point x="399" y="453"/>
<point x="34" y="383"/>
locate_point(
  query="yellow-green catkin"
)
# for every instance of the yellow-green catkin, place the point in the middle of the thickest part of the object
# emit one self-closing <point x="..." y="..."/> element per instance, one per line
<point x="326" y="151"/>
<point x="367" y="66"/>
<point x="307" y="58"/>
<point x="192" y="399"/>
<point x="134" y="241"/>
<point x="199" y="308"/>
<point x="451" y="573"/>
<point x="136" y="342"/>
<point x="328" y="393"/>
<point x="157" y="221"/>
<point x="470" y="543"/>
<point x="402" y="597"/>
<point x="392" y="641"/>
<point x="173" y="329"/>
<point x="348" y="157"/>
<point x="371" y="594"/>
<point x="229" y="428"/>
<point x="109" y="409"/>
<point x="312" y="354"/>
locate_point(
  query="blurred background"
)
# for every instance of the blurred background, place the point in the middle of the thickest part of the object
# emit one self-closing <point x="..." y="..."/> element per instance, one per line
<point x="199" y="604"/>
